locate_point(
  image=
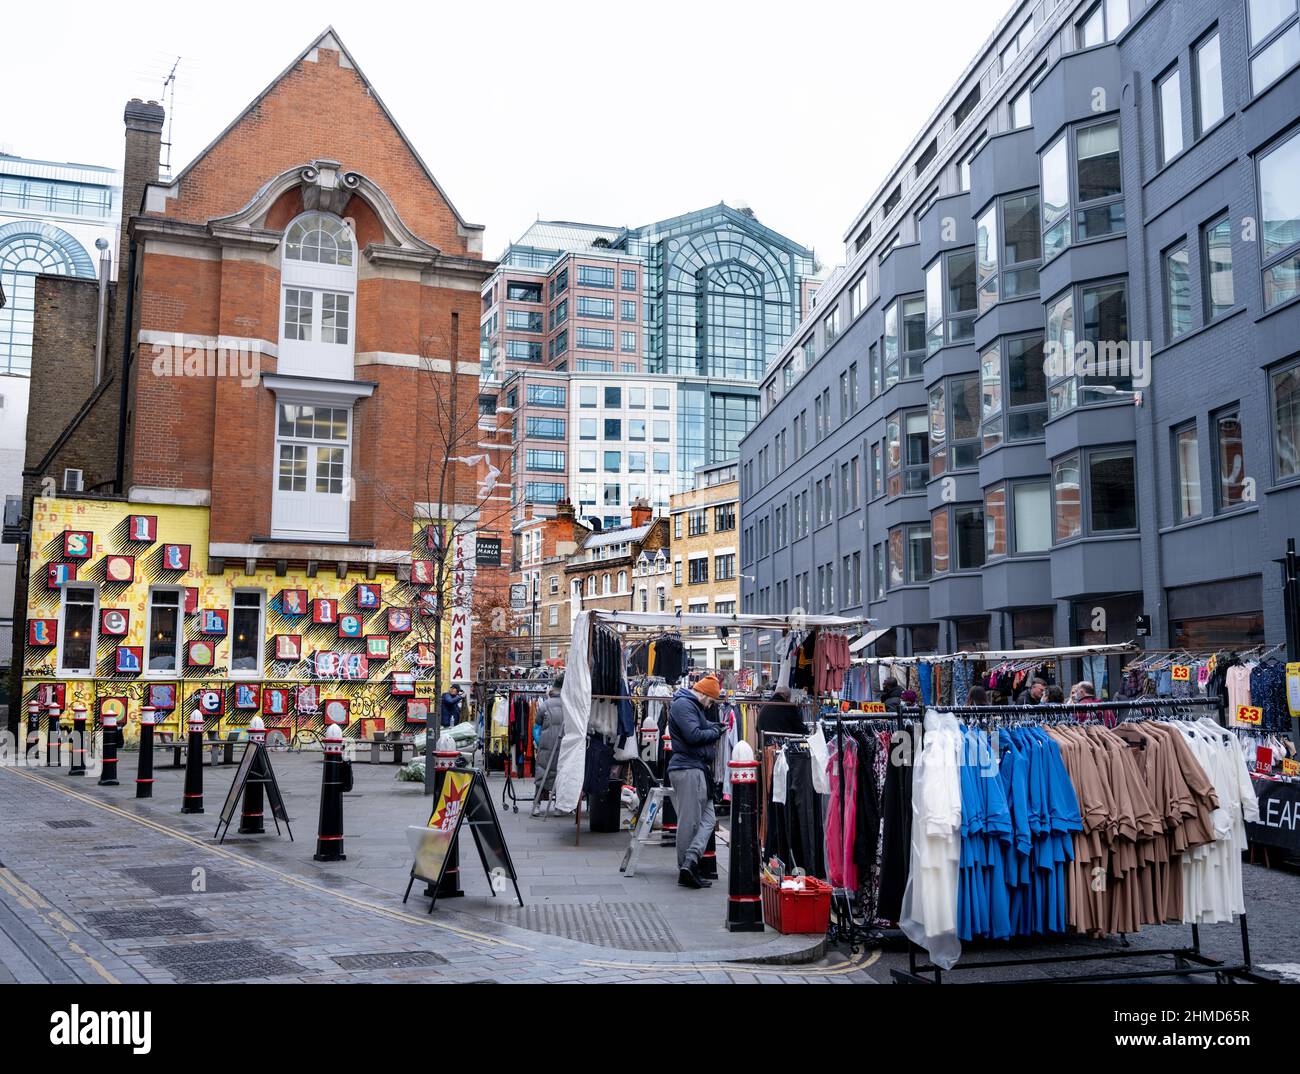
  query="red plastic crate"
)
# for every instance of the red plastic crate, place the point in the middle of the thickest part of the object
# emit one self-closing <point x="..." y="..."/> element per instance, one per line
<point x="807" y="911"/>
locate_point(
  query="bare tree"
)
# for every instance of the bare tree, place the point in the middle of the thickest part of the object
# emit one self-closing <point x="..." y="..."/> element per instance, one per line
<point x="456" y="471"/>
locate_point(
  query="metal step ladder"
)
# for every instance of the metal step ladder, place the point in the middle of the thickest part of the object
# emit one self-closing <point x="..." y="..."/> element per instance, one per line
<point x="643" y="828"/>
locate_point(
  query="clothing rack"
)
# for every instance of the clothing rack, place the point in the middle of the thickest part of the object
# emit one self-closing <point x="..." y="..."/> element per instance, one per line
<point x="510" y="798"/>
<point x="844" y="927"/>
<point x="1188" y="961"/>
<point x="1159" y="659"/>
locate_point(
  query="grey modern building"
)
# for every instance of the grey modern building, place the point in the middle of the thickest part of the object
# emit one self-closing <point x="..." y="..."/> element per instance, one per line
<point x="1056" y="385"/>
<point x="675" y="321"/>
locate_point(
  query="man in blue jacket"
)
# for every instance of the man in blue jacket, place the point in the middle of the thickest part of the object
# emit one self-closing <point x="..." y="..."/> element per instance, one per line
<point x="690" y="772"/>
<point x="452" y="704"/>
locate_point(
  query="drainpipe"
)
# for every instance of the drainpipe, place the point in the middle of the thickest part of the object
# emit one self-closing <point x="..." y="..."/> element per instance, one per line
<point x="101" y="323"/>
<point x="125" y="394"/>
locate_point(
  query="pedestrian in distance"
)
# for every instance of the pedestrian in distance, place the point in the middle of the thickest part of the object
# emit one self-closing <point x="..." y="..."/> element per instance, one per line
<point x="549" y="730"/>
<point x="452" y="704"/>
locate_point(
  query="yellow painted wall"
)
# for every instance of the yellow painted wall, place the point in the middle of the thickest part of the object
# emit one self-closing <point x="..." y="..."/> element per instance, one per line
<point x="107" y="520"/>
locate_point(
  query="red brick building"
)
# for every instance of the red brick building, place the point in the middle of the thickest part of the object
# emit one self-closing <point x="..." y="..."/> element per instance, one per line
<point x="299" y="314"/>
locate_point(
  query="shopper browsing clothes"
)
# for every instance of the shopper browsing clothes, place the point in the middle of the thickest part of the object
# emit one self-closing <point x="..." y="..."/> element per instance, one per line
<point x="690" y="772"/>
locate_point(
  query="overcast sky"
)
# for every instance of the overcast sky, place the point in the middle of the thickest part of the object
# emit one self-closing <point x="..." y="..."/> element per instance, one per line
<point x="604" y="112"/>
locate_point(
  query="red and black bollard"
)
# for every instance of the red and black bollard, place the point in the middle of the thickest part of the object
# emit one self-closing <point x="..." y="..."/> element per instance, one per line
<point x="144" y="770"/>
<point x="108" y="750"/>
<point x="709" y="859"/>
<point x="53" y="744"/>
<point x="78" y="767"/>
<point x="33" y="752"/>
<point x="334" y="776"/>
<point x="445" y="756"/>
<point x="192" y="802"/>
<point x="744" y="897"/>
<point x="250" y="820"/>
<point x="668" y="833"/>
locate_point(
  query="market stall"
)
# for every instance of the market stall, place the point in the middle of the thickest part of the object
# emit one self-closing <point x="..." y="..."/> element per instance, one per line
<point x="595" y="683"/>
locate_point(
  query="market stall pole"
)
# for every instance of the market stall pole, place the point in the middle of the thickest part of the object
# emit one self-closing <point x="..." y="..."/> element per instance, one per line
<point x="334" y="781"/>
<point x="744" y="897"/>
<point x="144" y="766"/>
<point x="192" y="796"/>
<point x="108" y="763"/>
<point x="1291" y="606"/>
<point x="250" y="819"/>
<point x="445" y="756"/>
<point x="78" y="767"/>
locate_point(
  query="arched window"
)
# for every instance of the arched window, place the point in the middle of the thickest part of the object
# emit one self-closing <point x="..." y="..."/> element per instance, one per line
<point x="591" y="585"/>
<point x="318" y="238"/>
<point x="604" y="584"/>
<point x="26" y="249"/>
<point x="319" y="283"/>
<point x="622" y="581"/>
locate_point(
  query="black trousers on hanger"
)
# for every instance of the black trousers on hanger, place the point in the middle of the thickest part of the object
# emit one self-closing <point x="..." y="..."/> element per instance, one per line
<point x="803" y="817"/>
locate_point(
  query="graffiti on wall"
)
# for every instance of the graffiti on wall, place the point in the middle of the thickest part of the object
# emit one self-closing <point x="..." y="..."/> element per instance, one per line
<point x="122" y="613"/>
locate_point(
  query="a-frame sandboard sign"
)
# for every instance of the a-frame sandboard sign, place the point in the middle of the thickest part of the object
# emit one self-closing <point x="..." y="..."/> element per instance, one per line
<point x="464" y="801"/>
<point x="254" y="767"/>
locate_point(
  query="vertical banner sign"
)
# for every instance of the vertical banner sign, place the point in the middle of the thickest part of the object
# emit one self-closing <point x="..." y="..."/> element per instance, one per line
<point x="462" y="581"/>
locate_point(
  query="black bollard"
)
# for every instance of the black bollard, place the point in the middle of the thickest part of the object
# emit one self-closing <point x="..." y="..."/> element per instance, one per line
<point x="192" y="800"/>
<point x="33" y="752"/>
<point x="444" y="760"/>
<point x="744" y="896"/>
<point x="329" y="830"/>
<point x="53" y="746"/>
<point x="78" y="767"/>
<point x="144" y="770"/>
<point x="709" y="860"/>
<point x="668" y="833"/>
<point x="250" y="820"/>
<point x="108" y="746"/>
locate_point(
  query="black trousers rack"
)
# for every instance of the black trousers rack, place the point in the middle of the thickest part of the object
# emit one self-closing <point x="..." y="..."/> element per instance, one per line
<point x="1187" y="961"/>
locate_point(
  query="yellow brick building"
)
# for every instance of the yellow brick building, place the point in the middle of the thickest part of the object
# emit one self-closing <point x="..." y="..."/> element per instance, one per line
<point x="706" y="559"/>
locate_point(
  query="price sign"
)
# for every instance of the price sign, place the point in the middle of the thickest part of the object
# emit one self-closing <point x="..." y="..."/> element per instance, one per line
<point x="1251" y="715"/>
<point x="873" y="706"/>
<point x="1182" y="673"/>
<point x="1293" y="688"/>
<point x="1290" y="767"/>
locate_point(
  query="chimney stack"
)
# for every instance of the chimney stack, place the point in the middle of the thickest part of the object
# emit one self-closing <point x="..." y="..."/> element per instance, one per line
<point x="144" y="124"/>
<point x="641" y="512"/>
<point x="564" y="511"/>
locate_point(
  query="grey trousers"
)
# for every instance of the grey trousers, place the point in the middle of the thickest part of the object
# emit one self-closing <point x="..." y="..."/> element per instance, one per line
<point x="695" y="819"/>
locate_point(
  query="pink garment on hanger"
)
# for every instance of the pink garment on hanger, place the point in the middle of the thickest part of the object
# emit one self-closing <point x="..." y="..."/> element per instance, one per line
<point x="840" y="866"/>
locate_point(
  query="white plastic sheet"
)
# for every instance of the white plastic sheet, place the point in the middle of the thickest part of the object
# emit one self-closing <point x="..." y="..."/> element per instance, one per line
<point x="575" y="696"/>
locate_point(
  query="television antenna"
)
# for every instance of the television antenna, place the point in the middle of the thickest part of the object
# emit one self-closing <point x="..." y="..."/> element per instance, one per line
<point x="169" y="96"/>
